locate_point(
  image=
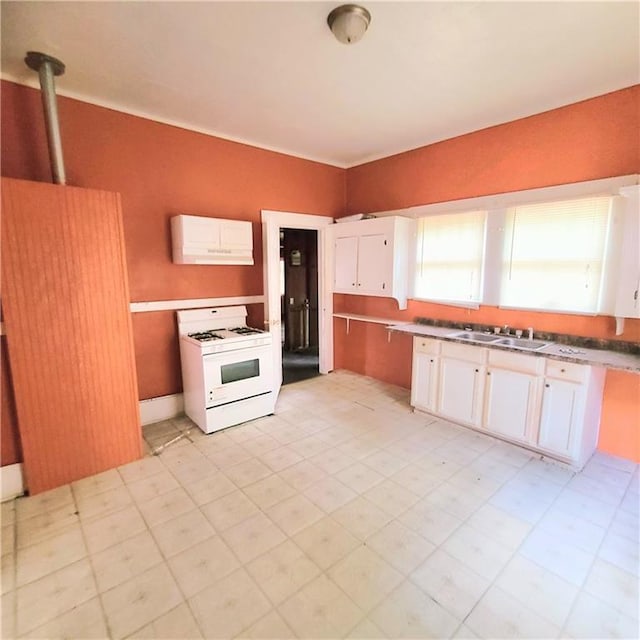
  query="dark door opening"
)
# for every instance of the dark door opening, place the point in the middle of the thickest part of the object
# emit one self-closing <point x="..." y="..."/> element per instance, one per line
<point x="299" y="304"/>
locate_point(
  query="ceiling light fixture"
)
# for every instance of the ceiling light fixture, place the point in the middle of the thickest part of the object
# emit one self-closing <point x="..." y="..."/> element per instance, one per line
<point x="349" y="22"/>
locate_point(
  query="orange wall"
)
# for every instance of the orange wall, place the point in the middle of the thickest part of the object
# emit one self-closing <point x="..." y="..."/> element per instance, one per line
<point x="597" y="138"/>
<point x="160" y="171"/>
<point x="620" y="431"/>
<point x="593" y="139"/>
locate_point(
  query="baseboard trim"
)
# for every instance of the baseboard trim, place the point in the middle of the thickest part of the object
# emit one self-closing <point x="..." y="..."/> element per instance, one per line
<point x="161" y="408"/>
<point x="11" y="482"/>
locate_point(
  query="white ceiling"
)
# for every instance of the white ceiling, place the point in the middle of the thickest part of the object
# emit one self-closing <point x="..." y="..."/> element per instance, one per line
<point x="271" y="74"/>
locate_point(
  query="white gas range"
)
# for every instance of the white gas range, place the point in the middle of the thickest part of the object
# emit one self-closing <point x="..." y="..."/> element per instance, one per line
<point x="227" y="367"/>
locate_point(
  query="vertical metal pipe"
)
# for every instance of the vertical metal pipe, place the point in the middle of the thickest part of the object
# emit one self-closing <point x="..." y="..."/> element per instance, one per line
<point x="47" y="68"/>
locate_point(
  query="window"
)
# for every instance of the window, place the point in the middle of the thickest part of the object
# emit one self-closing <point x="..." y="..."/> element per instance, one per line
<point x="554" y="255"/>
<point x="450" y="257"/>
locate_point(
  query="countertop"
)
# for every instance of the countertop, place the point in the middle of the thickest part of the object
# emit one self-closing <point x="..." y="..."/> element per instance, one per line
<point x="597" y="357"/>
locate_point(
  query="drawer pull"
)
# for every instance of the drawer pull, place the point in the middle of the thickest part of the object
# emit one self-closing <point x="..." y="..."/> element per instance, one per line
<point x="547" y="385"/>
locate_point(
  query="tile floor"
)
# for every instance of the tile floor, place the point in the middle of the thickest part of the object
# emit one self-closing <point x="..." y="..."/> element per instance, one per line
<point x="344" y="515"/>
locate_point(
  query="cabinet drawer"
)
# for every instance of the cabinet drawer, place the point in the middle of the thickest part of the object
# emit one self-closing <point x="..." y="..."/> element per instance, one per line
<point x="426" y="345"/>
<point x="516" y="361"/>
<point x="464" y="352"/>
<point x="567" y="370"/>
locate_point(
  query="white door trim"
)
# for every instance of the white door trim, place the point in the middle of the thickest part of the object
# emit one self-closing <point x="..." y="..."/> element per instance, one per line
<point x="272" y="222"/>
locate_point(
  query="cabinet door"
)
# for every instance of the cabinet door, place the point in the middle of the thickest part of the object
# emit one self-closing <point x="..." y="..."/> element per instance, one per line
<point x="562" y="408"/>
<point x="198" y="230"/>
<point x="628" y="294"/>
<point x="508" y="401"/>
<point x="236" y="234"/>
<point x="423" y="381"/>
<point x="346" y="259"/>
<point x="374" y="270"/>
<point x="460" y="388"/>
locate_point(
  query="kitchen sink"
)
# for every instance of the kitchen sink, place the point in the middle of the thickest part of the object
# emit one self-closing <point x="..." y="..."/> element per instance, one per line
<point x="495" y="339"/>
<point x="474" y="336"/>
<point x="522" y="343"/>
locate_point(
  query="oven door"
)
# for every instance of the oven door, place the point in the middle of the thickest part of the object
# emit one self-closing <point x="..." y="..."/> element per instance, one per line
<point x="237" y="375"/>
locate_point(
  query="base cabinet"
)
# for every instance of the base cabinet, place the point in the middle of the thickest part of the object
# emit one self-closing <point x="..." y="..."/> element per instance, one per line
<point x="547" y="405"/>
<point x="508" y="404"/>
<point x="459" y="391"/>
<point x="562" y="412"/>
<point x="424" y="374"/>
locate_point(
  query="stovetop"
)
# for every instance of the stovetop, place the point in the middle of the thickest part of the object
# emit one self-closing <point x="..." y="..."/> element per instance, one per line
<point x="245" y="331"/>
<point x="224" y="334"/>
<point x="220" y="329"/>
<point x="205" y="336"/>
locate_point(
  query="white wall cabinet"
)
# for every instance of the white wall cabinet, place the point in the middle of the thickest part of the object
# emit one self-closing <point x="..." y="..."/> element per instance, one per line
<point x="627" y="304"/>
<point x="546" y="405"/>
<point x="202" y="240"/>
<point x="372" y="257"/>
<point x="346" y="272"/>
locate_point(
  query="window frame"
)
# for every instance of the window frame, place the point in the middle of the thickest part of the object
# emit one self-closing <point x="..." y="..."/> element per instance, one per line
<point x="419" y="261"/>
<point x="497" y="206"/>
<point x="603" y="282"/>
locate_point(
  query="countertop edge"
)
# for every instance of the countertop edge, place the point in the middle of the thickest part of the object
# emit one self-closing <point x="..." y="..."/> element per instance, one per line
<point x="594" y="357"/>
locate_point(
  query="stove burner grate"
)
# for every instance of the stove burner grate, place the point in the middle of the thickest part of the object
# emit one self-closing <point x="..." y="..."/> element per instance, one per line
<point x="245" y="331"/>
<point x="204" y="336"/>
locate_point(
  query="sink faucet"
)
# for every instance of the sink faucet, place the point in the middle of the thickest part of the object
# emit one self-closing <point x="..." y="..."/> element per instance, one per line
<point x="530" y="333"/>
<point x="506" y="329"/>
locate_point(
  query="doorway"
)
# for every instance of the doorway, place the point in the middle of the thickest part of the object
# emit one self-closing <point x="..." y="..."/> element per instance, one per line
<point x="299" y="304"/>
<point x="272" y="223"/>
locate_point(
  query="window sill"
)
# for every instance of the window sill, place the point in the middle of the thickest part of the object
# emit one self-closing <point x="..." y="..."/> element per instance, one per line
<point x="449" y="303"/>
<point x="591" y="314"/>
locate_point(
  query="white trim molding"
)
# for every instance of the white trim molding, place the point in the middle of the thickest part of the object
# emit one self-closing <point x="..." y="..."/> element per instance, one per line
<point x="272" y="223"/>
<point x="604" y="186"/>
<point x="161" y="408"/>
<point x="11" y="482"/>
<point x="197" y="303"/>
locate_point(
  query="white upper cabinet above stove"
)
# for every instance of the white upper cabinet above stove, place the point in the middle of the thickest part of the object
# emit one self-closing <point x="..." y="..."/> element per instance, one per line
<point x="201" y="240"/>
<point x="372" y="257"/>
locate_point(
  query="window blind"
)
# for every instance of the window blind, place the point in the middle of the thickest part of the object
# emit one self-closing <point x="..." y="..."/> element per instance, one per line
<point x="450" y="257"/>
<point x="554" y="255"/>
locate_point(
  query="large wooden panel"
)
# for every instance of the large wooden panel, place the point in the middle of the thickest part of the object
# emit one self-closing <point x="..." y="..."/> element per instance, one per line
<point x="65" y="304"/>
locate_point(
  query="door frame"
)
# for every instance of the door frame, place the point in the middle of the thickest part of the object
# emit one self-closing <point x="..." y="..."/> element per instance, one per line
<point x="272" y="222"/>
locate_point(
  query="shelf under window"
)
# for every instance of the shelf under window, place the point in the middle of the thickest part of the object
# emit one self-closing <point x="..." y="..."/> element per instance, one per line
<point x="349" y="317"/>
